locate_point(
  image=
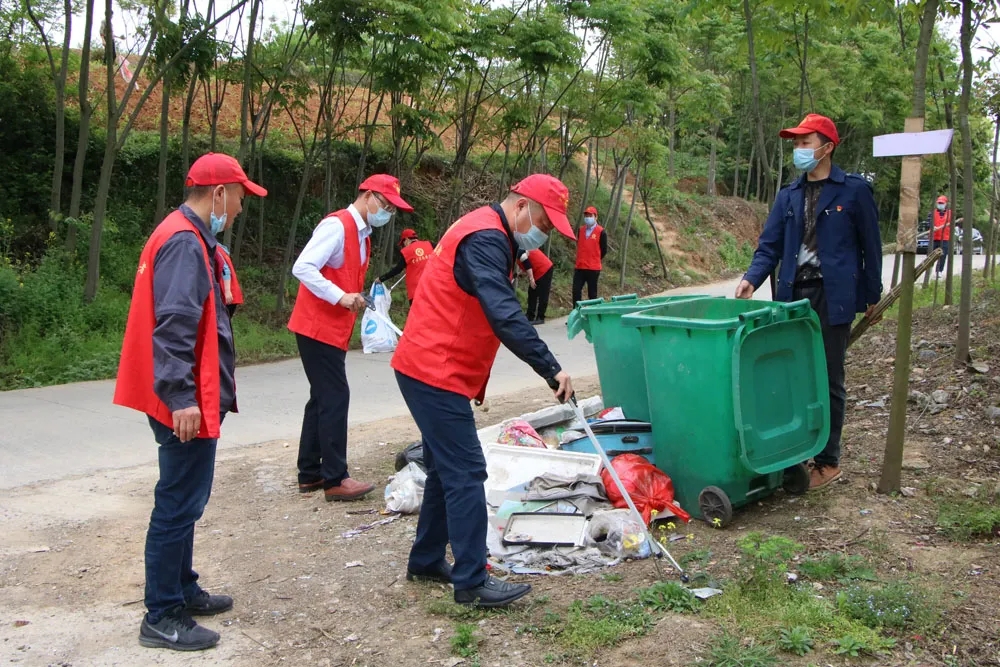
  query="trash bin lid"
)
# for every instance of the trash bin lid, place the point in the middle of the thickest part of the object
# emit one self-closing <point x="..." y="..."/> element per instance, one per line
<point x="781" y="396"/>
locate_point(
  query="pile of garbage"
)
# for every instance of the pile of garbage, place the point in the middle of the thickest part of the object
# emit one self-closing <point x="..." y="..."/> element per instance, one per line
<point x="552" y="509"/>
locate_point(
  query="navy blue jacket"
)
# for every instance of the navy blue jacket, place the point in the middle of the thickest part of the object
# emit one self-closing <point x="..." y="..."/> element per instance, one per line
<point x="848" y="242"/>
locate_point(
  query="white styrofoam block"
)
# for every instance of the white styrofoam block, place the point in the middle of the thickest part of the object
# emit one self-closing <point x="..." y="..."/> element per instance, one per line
<point x="508" y="466"/>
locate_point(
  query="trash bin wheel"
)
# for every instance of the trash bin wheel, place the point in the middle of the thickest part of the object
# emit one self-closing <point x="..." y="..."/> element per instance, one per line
<point x="715" y="507"/>
<point x="796" y="479"/>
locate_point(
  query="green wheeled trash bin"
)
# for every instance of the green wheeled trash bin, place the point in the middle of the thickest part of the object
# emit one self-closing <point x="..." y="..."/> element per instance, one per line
<point x="738" y="398"/>
<point x="618" y="349"/>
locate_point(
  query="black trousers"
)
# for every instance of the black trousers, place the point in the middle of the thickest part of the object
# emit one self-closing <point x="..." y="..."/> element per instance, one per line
<point x="323" y="442"/>
<point x="581" y="276"/>
<point x="835" y="339"/>
<point x="538" y="296"/>
<point x="944" y="254"/>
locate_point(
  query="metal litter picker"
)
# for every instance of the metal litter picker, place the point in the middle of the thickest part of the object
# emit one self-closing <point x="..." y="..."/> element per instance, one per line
<point x="657" y="549"/>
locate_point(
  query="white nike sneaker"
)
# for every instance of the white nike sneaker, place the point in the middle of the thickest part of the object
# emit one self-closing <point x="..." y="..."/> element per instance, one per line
<point x="177" y="631"/>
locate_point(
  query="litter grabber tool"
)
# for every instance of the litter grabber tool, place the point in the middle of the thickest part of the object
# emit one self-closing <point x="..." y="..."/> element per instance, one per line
<point x="370" y="304"/>
<point x="396" y="283"/>
<point x="657" y="549"/>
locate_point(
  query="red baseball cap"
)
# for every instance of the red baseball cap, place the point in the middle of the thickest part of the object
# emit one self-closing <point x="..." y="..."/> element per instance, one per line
<point x="388" y="187"/>
<point x="220" y="169"/>
<point x="406" y="235"/>
<point x="591" y="210"/>
<point x="550" y="192"/>
<point x="942" y="200"/>
<point x="813" y="123"/>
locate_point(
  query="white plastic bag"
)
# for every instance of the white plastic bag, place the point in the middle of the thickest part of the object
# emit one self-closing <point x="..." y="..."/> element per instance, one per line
<point x="376" y="335"/>
<point x="405" y="493"/>
<point x="617" y="533"/>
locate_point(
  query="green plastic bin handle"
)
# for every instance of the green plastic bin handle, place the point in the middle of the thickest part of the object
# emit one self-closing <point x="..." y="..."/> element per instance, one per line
<point x="797" y="309"/>
<point x="622" y="297"/>
<point x="576" y="323"/>
<point x="589" y="302"/>
<point x="754" y="319"/>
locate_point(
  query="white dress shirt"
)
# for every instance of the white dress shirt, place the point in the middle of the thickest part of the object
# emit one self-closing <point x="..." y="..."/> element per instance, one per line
<point x="326" y="248"/>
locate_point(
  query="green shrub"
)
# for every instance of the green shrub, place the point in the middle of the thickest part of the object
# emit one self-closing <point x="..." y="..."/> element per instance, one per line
<point x="897" y="605"/>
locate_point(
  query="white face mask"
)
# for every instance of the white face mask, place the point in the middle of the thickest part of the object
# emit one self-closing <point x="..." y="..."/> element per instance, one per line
<point x="218" y="222"/>
<point x="533" y="239"/>
<point x="590" y="221"/>
<point x="380" y="217"/>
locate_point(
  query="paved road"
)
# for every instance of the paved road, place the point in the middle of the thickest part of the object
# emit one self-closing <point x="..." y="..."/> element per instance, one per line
<point x="54" y="432"/>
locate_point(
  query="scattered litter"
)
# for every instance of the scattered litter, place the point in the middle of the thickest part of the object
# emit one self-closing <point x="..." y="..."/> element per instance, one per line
<point x="980" y="367"/>
<point x="617" y="533"/>
<point x="908" y="491"/>
<point x="412" y="453"/>
<point x="351" y="638"/>
<point x="354" y="563"/>
<point x="508" y="466"/>
<point x="364" y="528"/>
<point x="705" y="593"/>
<point x="571" y="435"/>
<point x="21" y="624"/>
<point x="611" y="413"/>
<point x="520" y="433"/>
<point x="649" y="487"/>
<point x="405" y="493"/>
<point x="437" y="634"/>
<point x="876" y="404"/>
<point x="940" y="396"/>
<point x="792" y="577"/>
<point x="865" y="512"/>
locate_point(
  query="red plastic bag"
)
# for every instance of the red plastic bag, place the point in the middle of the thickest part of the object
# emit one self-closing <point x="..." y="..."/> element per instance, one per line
<point x="649" y="487"/>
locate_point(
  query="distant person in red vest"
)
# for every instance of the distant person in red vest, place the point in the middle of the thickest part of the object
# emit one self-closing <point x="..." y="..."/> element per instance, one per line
<point x="412" y="258"/>
<point x="538" y="267"/>
<point x="467" y="307"/>
<point x="177" y="366"/>
<point x="331" y="271"/>
<point x="941" y="229"/>
<point x="232" y="294"/>
<point x="591" y="247"/>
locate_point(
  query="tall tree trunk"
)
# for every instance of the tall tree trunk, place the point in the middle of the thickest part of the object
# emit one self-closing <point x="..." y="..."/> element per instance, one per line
<point x="186" y="124"/>
<point x="671" y="138"/>
<point x="755" y="92"/>
<point x="805" y="67"/>
<point x="83" y="135"/>
<point x="710" y="188"/>
<point x="656" y="237"/>
<point x="781" y="171"/>
<point x="248" y="64"/>
<point x="992" y="233"/>
<point x="161" y="174"/>
<point x="909" y="188"/>
<point x="628" y="226"/>
<point x="736" y="166"/>
<point x="753" y="153"/>
<point x="586" y="180"/>
<point x="286" y="260"/>
<point x="107" y="165"/>
<point x="968" y="185"/>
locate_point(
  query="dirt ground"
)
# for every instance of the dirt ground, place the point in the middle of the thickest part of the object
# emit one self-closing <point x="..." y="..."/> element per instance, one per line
<point x="71" y="574"/>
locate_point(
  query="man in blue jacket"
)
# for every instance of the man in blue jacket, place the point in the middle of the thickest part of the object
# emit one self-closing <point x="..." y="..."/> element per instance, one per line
<point x="824" y="231"/>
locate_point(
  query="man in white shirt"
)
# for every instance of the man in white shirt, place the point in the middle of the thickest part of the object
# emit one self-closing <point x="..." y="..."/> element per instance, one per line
<point x="331" y="271"/>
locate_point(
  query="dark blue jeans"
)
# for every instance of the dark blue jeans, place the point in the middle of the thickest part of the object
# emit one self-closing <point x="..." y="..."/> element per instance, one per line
<point x="454" y="507"/>
<point x="944" y="254"/>
<point x="186" y="474"/>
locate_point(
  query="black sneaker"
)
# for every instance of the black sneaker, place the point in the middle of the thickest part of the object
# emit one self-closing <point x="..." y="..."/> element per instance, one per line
<point x="178" y="632"/>
<point x="204" y="604"/>
<point x="492" y="593"/>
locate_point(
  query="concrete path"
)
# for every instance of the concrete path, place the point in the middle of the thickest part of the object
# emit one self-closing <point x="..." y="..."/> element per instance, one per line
<point x="53" y="432"/>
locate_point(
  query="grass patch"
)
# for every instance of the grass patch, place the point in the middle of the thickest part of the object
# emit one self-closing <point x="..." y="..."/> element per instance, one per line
<point x="797" y="640"/>
<point x="728" y="651"/>
<point x="599" y="622"/>
<point x="837" y="567"/>
<point x="465" y="643"/>
<point x="897" y="605"/>
<point x="668" y="596"/>
<point x="969" y="519"/>
<point x="735" y="256"/>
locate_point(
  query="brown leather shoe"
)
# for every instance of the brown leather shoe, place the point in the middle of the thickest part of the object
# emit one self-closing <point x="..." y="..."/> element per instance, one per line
<point x="309" y="487"/>
<point x="349" y="489"/>
<point x="822" y="475"/>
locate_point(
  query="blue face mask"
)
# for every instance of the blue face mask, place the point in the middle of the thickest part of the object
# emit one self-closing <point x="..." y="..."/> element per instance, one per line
<point x="380" y="217"/>
<point x="805" y="159"/>
<point x="533" y="239"/>
<point x="218" y="223"/>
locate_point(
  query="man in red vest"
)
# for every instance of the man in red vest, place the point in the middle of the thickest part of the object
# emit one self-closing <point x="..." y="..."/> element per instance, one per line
<point x="412" y="258"/>
<point x="465" y="308"/>
<point x="331" y="271"/>
<point x="591" y="247"/>
<point x="177" y="366"/>
<point x="539" y="269"/>
<point x="942" y="230"/>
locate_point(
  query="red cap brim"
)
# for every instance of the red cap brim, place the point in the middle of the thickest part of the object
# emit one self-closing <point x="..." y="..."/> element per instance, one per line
<point x="397" y="201"/>
<point x="792" y="132"/>
<point x="254" y="189"/>
<point x="560" y="222"/>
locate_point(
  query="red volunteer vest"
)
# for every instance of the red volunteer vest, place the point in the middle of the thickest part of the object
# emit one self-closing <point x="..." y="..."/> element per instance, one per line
<point x="588" y="250"/>
<point x="319" y="319"/>
<point x="416" y="255"/>
<point x="134" y="387"/>
<point x="448" y="343"/>
<point x="222" y="257"/>
<point x="942" y="225"/>
<point x="540" y="264"/>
